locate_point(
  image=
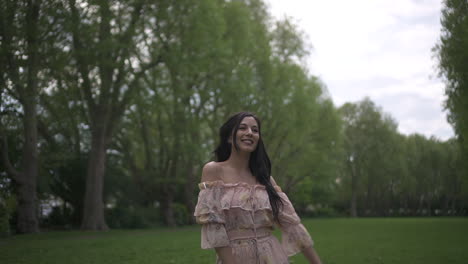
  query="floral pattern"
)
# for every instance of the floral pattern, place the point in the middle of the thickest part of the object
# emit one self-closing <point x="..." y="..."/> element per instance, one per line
<point x="225" y="208"/>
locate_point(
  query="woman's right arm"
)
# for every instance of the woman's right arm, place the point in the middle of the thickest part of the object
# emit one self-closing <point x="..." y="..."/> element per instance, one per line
<point x="225" y="254"/>
<point x="311" y="255"/>
<point x="211" y="173"/>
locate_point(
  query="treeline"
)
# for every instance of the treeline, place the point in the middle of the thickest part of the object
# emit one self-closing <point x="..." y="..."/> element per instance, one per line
<point x="109" y="109"/>
<point x="386" y="173"/>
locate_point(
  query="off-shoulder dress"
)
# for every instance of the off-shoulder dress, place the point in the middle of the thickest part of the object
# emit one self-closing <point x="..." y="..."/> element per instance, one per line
<point x="239" y="215"/>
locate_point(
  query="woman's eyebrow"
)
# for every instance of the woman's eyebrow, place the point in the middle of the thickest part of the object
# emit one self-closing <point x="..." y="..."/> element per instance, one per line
<point x="246" y="124"/>
<point x="243" y="124"/>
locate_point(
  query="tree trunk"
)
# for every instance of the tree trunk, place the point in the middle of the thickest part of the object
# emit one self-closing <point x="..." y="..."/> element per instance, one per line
<point x="190" y="184"/>
<point x="353" y="202"/>
<point x="168" y="209"/>
<point x="27" y="208"/>
<point x="370" y="205"/>
<point x="353" y="205"/>
<point x="93" y="211"/>
<point x="420" y="205"/>
<point x="27" y="182"/>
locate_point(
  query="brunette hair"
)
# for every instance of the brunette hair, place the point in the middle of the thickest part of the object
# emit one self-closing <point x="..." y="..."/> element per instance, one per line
<point x="259" y="162"/>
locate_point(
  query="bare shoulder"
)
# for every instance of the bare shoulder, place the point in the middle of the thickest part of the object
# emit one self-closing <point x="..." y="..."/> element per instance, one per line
<point x="211" y="172"/>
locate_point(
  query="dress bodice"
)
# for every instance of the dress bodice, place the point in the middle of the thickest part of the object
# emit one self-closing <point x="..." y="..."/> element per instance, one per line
<point x="227" y="208"/>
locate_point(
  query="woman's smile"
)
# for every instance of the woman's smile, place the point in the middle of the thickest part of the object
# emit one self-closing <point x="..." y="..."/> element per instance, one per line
<point x="248" y="134"/>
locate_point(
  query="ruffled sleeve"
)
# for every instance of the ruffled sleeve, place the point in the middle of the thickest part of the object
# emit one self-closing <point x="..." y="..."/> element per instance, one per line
<point x="294" y="236"/>
<point x="210" y="215"/>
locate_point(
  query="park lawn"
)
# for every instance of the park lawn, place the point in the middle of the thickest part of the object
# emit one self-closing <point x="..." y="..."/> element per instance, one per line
<point x="362" y="240"/>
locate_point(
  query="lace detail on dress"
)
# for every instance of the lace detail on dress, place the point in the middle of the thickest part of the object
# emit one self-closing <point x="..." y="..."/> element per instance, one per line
<point x="214" y="235"/>
<point x="294" y="239"/>
<point x="209" y="207"/>
<point x="223" y="207"/>
<point x="294" y="236"/>
<point x="210" y="214"/>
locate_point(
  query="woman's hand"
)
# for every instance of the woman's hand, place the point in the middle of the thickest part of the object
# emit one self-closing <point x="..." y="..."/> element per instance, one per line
<point x="225" y="254"/>
<point x="311" y="255"/>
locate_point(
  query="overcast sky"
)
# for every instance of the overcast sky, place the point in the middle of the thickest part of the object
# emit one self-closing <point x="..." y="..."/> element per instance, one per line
<point x="376" y="48"/>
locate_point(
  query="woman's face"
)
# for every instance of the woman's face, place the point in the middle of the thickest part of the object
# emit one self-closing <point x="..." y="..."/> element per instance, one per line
<point x="248" y="134"/>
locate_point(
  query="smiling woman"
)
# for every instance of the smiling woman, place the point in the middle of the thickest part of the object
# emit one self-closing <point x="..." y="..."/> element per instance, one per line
<point x="247" y="134"/>
<point x="239" y="202"/>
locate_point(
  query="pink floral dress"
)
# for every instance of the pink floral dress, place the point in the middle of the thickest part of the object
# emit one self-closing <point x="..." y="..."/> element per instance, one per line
<point x="239" y="215"/>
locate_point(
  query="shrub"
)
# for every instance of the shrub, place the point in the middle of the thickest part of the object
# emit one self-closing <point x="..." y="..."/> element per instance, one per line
<point x="133" y="217"/>
<point x="7" y="208"/>
<point x="60" y="217"/>
<point x="181" y="214"/>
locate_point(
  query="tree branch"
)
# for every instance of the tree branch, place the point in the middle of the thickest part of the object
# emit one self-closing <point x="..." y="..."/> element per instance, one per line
<point x="119" y="108"/>
<point x="80" y="58"/>
<point x="123" y="52"/>
<point x="105" y="54"/>
<point x="7" y="49"/>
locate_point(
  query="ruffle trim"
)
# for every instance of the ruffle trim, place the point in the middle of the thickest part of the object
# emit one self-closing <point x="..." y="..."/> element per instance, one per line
<point x="295" y="239"/>
<point x="214" y="235"/>
<point x="219" y="183"/>
<point x="217" y="196"/>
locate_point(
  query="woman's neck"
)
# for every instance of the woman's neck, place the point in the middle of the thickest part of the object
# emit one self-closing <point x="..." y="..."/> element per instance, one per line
<point x="239" y="160"/>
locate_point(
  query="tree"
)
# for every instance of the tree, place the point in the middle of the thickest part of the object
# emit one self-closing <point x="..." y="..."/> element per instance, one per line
<point x="112" y="48"/>
<point x="217" y="64"/>
<point x="452" y="55"/>
<point x="27" y="31"/>
<point x="368" y="145"/>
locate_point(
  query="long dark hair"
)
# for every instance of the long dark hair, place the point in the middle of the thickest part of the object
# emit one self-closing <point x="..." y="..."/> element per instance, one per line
<point x="259" y="162"/>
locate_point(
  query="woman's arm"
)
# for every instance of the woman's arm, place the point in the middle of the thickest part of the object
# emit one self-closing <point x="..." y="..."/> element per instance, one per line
<point x="225" y="254"/>
<point x="309" y="251"/>
<point x="311" y="255"/>
<point x="211" y="173"/>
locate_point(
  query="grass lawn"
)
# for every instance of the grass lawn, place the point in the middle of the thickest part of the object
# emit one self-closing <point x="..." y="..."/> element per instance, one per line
<point x="367" y="240"/>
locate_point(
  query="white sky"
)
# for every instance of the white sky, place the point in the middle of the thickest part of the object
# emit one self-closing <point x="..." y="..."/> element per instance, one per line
<point x="376" y="48"/>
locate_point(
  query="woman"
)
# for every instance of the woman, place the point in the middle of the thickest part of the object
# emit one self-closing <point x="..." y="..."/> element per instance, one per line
<point x="239" y="203"/>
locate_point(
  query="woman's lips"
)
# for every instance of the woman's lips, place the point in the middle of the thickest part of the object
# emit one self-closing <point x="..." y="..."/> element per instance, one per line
<point x="248" y="141"/>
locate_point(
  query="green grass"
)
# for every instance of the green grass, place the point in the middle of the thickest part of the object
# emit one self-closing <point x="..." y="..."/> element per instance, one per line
<point x="369" y="240"/>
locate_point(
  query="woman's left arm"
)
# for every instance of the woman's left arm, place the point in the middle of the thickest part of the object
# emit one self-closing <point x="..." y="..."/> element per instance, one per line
<point x="295" y="237"/>
<point x="311" y="255"/>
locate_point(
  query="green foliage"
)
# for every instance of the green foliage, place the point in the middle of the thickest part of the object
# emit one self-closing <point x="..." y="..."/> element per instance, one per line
<point x="7" y="209"/>
<point x="387" y="173"/>
<point x="181" y="214"/>
<point x="59" y="217"/>
<point x="133" y="217"/>
<point x="66" y="180"/>
<point x="8" y="204"/>
<point x="452" y="54"/>
<point x="186" y="99"/>
<point x="370" y="155"/>
<point x="158" y="78"/>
